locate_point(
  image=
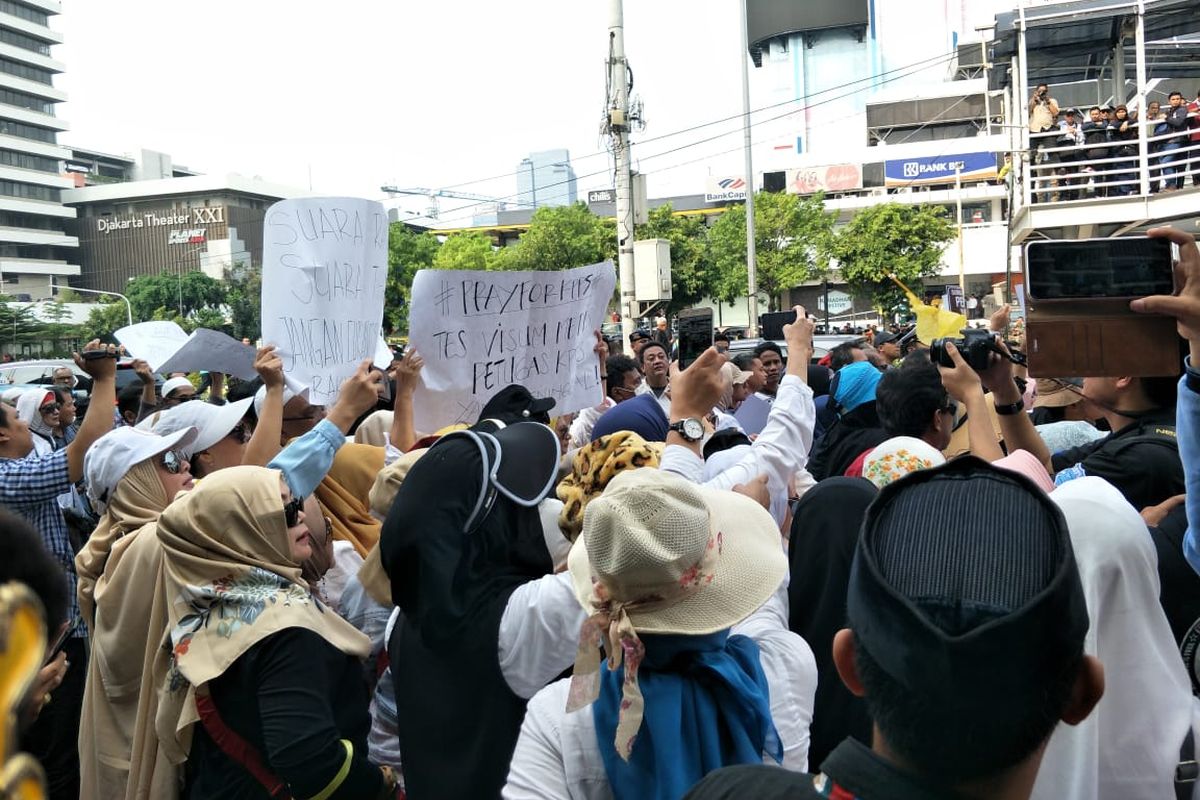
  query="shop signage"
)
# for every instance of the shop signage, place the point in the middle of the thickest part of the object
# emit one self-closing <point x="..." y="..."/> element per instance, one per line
<point x="187" y="236"/>
<point x="939" y="169"/>
<point x="601" y="196"/>
<point x="726" y="187"/>
<point x="831" y="178"/>
<point x="196" y="216"/>
<point x="839" y="302"/>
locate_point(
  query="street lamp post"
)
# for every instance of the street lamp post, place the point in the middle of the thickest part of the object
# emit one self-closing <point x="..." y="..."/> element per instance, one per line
<point x="128" y="307"/>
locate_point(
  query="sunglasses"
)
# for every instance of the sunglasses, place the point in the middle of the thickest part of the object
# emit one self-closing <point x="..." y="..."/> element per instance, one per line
<point x="172" y="462"/>
<point x="49" y="408"/>
<point x="291" y="511"/>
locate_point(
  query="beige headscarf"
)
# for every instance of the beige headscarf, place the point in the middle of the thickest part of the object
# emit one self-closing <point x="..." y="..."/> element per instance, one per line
<point x="138" y="500"/>
<point x="375" y="429"/>
<point x="727" y="371"/>
<point x="231" y="582"/>
<point x="344" y="491"/>
<point x="371" y="575"/>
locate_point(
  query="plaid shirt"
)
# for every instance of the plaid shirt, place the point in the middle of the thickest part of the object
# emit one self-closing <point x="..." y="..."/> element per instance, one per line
<point x="29" y="486"/>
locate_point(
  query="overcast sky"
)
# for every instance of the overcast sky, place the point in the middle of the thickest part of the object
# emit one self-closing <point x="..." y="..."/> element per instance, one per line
<point x="368" y="92"/>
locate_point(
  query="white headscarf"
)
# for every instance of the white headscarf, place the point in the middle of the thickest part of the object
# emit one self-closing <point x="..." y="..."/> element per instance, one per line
<point x="1128" y="746"/>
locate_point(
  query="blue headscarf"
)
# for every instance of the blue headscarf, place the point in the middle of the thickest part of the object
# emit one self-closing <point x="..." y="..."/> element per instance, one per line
<point x="856" y="384"/>
<point x="641" y="415"/>
<point x="707" y="706"/>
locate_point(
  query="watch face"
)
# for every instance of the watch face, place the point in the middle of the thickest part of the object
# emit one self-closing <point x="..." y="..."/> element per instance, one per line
<point x="692" y="429"/>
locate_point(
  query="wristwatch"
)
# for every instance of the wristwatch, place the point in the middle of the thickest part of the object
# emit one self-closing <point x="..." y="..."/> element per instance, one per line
<point x="1009" y="409"/>
<point x="690" y="428"/>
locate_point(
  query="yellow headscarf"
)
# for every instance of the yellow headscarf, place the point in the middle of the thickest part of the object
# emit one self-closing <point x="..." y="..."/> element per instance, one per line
<point x="344" y="491"/>
<point x="231" y="582"/>
<point x="594" y="466"/>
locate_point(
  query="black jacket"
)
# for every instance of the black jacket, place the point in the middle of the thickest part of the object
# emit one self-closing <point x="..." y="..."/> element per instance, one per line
<point x="854" y="433"/>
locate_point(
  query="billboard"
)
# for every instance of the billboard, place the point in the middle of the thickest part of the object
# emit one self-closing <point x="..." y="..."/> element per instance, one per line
<point x="725" y="187"/>
<point x="939" y="169"/>
<point x="830" y="178"/>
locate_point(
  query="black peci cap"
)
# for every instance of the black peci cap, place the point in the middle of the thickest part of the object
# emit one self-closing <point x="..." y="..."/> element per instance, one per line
<point x="514" y="403"/>
<point x="964" y="576"/>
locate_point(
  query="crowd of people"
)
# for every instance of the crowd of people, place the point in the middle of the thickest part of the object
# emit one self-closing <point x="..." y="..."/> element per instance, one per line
<point x="1094" y="152"/>
<point x="907" y="580"/>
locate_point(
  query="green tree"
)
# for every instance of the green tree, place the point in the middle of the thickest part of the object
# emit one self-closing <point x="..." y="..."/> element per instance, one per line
<point x="892" y="239"/>
<point x="18" y="325"/>
<point x="210" y="318"/>
<point x="61" y="334"/>
<point x="561" y="237"/>
<point x="244" y="299"/>
<point x="407" y="253"/>
<point x="694" y="277"/>
<point x="466" y="251"/>
<point x="792" y="236"/>
<point x="106" y="316"/>
<point x="185" y="294"/>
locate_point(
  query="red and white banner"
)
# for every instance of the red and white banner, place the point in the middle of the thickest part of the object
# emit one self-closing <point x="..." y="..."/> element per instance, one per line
<point x="830" y="178"/>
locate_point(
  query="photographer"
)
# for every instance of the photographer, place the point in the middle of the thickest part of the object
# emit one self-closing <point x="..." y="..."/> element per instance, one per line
<point x="1043" y="109"/>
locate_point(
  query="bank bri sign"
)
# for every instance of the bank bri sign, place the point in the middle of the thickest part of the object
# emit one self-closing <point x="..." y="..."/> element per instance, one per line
<point x="939" y="169"/>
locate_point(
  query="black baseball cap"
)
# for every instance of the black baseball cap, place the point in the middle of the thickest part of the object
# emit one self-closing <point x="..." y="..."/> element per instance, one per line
<point x="883" y="337"/>
<point x="514" y="403"/>
<point x="965" y="576"/>
<point x="638" y="335"/>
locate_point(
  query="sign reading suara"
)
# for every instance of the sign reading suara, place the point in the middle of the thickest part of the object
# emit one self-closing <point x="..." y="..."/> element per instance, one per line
<point x="152" y="219"/>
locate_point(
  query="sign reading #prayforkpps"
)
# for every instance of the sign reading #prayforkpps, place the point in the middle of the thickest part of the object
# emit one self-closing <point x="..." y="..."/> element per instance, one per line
<point x="324" y="276"/>
<point x="481" y="331"/>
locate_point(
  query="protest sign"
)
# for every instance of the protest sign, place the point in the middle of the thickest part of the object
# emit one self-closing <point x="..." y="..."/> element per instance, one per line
<point x="324" y="273"/>
<point x="166" y="348"/>
<point x="481" y="331"/>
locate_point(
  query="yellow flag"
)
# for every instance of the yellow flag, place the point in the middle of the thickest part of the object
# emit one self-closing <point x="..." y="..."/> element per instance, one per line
<point x="933" y="322"/>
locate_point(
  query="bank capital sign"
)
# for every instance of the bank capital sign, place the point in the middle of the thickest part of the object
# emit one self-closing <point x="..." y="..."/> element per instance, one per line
<point x="723" y="188"/>
<point x="939" y="169"/>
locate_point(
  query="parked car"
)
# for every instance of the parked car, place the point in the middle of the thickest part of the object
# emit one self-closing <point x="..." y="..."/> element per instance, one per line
<point x="821" y="345"/>
<point x="41" y="372"/>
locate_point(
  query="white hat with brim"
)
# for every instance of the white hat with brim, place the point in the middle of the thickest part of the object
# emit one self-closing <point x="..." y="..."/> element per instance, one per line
<point x="260" y="397"/>
<point x="110" y="458"/>
<point x="640" y="535"/>
<point x="212" y="423"/>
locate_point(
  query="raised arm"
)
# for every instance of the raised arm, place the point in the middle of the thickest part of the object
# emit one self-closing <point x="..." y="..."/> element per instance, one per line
<point x="408" y="376"/>
<point x="264" y="444"/>
<point x="964" y="385"/>
<point x="98" y="420"/>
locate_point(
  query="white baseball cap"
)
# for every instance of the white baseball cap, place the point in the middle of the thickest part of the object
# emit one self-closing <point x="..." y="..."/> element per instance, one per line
<point x="212" y="423"/>
<point x="173" y="384"/>
<point x="109" y="459"/>
<point x="260" y="397"/>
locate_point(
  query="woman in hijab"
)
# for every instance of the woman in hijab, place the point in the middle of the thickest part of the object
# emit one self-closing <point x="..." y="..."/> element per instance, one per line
<point x="1129" y="746"/>
<point x="39" y="409"/>
<point x="260" y="684"/>
<point x="117" y="569"/>
<point x="820" y="550"/>
<point x="642" y="415"/>
<point x="592" y="469"/>
<point x="345" y="495"/>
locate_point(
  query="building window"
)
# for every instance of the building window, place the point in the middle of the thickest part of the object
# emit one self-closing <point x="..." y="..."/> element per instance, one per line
<point x="11" y="219"/>
<point x="26" y="71"/>
<point x="10" y="128"/>
<point x="24" y="42"/>
<point x="25" y="12"/>
<point x="12" y="158"/>
<point x="22" y="100"/>
<point x="29" y="191"/>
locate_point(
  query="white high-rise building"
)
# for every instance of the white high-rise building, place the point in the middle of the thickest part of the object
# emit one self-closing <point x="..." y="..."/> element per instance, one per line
<point x="546" y="179"/>
<point x="33" y="242"/>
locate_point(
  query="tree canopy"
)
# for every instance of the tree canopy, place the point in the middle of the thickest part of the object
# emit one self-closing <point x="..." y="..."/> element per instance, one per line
<point x="561" y="237"/>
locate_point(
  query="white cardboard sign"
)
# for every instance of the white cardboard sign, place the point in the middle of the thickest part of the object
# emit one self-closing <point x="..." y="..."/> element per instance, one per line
<point x="324" y="274"/>
<point x="166" y="348"/>
<point x="481" y="331"/>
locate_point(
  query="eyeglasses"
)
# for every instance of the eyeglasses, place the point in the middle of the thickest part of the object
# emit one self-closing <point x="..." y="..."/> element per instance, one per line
<point x="291" y="511"/>
<point x="50" y="408"/>
<point x="239" y="433"/>
<point x="173" y="462"/>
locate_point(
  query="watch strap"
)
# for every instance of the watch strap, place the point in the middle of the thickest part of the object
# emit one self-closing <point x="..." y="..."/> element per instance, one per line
<point x="1009" y="409"/>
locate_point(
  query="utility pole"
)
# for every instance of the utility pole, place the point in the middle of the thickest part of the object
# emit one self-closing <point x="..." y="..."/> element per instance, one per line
<point x="751" y="256"/>
<point x="618" y="127"/>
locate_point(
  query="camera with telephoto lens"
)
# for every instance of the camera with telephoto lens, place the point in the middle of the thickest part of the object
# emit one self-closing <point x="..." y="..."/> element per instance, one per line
<point x="975" y="346"/>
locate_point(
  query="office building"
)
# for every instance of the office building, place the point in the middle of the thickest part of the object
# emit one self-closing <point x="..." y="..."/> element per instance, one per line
<point x="34" y="244"/>
<point x="546" y="179"/>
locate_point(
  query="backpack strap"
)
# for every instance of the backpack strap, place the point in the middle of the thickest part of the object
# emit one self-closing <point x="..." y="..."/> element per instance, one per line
<point x="229" y="742"/>
<point x="487" y="485"/>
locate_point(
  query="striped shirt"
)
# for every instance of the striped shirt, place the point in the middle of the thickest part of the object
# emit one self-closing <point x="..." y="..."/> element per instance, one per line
<point x="29" y="486"/>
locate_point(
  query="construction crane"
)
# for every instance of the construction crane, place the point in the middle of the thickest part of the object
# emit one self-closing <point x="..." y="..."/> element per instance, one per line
<point x="434" y="194"/>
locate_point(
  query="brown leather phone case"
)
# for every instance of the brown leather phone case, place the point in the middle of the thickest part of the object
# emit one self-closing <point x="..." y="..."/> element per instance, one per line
<point x="1082" y="338"/>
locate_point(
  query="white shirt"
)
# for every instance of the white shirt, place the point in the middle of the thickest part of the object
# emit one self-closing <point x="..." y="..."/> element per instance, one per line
<point x="557" y="755"/>
<point x="780" y="451"/>
<point x="539" y="633"/>
<point x="663" y="399"/>
<point x="581" y="427"/>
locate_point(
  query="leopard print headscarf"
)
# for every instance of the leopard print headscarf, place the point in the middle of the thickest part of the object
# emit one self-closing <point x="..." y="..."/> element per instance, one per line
<point x="597" y="464"/>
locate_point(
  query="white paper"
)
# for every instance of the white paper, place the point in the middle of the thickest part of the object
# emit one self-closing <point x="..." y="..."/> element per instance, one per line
<point x="383" y="354"/>
<point x="479" y="332"/>
<point x="324" y="274"/>
<point x="166" y="348"/>
<point x="152" y="342"/>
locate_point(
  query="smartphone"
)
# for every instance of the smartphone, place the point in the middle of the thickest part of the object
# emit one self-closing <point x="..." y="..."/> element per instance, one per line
<point x="96" y="355"/>
<point x="695" y="334"/>
<point x="1091" y="269"/>
<point x="59" y="643"/>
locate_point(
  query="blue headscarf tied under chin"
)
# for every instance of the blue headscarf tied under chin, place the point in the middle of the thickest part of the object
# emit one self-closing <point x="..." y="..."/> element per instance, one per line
<point x="706" y="706"/>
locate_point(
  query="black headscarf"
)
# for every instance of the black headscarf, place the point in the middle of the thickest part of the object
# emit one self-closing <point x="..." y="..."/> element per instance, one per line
<point x="453" y="581"/>
<point x="824" y="535"/>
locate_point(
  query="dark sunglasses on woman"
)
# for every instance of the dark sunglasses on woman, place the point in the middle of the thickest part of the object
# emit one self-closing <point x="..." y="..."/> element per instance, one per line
<point x="173" y="462"/>
<point x="291" y="511"/>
